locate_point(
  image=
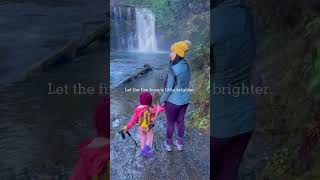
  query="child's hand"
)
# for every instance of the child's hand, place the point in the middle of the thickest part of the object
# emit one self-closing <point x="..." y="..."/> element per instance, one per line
<point x="151" y="126"/>
<point x="157" y="97"/>
<point x="125" y="129"/>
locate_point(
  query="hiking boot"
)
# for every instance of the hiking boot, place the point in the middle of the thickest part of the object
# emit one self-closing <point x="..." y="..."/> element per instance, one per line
<point x="146" y="152"/>
<point x="179" y="146"/>
<point x="149" y="151"/>
<point x="168" y="146"/>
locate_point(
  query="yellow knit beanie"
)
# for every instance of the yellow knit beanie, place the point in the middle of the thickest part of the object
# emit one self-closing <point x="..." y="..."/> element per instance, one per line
<point x="181" y="47"/>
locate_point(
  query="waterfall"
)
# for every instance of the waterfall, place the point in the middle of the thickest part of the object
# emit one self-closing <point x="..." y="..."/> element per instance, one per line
<point x="134" y="29"/>
<point x="116" y="27"/>
<point x="130" y="35"/>
<point x="122" y="39"/>
<point x="146" y="32"/>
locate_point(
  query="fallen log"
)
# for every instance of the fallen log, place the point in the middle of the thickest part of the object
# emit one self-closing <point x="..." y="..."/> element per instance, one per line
<point x="70" y="51"/>
<point x="145" y="69"/>
<point x="64" y="54"/>
<point x="96" y="35"/>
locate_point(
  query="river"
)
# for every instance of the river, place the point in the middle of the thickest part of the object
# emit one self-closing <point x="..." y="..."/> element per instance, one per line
<point x="39" y="132"/>
<point x="30" y="30"/>
<point x="125" y="63"/>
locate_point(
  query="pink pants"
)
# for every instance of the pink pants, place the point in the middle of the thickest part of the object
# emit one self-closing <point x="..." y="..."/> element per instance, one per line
<point x="145" y="138"/>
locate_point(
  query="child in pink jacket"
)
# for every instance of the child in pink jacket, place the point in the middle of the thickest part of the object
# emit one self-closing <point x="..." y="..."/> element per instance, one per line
<point x="144" y="116"/>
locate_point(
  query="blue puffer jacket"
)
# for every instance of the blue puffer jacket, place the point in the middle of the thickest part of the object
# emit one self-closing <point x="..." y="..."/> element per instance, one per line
<point x="176" y="96"/>
<point x="234" y="48"/>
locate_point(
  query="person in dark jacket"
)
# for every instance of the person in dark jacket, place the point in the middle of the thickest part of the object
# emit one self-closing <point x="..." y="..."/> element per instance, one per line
<point x="233" y="115"/>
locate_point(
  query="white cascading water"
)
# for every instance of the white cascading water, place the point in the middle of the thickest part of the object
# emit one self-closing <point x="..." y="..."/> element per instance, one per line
<point x="122" y="39"/>
<point x="130" y="35"/>
<point x="135" y="29"/>
<point x="146" y="32"/>
<point x="116" y="26"/>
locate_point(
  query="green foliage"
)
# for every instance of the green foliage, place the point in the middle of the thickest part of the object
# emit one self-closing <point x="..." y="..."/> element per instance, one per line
<point x="200" y="65"/>
<point x="200" y="120"/>
<point x="163" y="14"/>
<point x="315" y="80"/>
<point x="313" y="27"/>
<point x="289" y="61"/>
<point x="313" y="31"/>
<point x="281" y="166"/>
<point x="278" y="165"/>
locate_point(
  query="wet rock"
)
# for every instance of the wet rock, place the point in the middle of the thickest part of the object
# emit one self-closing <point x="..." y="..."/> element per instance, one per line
<point x="116" y="123"/>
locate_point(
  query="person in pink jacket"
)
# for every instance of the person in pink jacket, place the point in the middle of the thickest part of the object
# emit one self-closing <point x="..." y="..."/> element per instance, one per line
<point x="95" y="152"/>
<point x="144" y="116"/>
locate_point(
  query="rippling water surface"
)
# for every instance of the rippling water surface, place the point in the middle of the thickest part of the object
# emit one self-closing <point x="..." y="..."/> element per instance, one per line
<point x="38" y="129"/>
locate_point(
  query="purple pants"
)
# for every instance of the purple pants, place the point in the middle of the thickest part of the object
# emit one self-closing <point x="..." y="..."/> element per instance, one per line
<point x="175" y="116"/>
<point x="226" y="155"/>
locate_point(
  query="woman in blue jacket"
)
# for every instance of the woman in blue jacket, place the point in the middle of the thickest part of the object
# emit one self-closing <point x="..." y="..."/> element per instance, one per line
<point x="176" y="95"/>
<point x="232" y="115"/>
